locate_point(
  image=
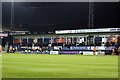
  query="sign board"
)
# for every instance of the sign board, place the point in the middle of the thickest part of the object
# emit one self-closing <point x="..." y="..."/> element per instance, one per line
<point x="69" y="52"/>
<point x="3" y="34"/>
<point x="89" y="53"/>
<point x="88" y="48"/>
<point x="80" y="48"/>
<point x="88" y="30"/>
<point x="57" y="47"/>
<point x="54" y="52"/>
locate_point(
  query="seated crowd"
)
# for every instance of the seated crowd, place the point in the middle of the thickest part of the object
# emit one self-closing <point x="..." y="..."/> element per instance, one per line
<point x="45" y="48"/>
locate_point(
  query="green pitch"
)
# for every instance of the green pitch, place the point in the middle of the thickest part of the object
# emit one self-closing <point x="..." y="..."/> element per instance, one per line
<point x="58" y="66"/>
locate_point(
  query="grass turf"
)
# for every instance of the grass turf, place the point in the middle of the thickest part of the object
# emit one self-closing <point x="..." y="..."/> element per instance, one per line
<point x="58" y="66"/>
<point x="0" y="66"/>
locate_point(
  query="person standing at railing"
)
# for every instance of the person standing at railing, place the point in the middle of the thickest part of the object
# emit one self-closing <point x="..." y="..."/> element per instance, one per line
<point x="113" y="51"/>
<point x="29" y="51"/>
<point x="41" y="50"/>
<point x="26" y="50"/>
<point x="37" y="51"/>
<point x="0" y="48"/>
<point x="13" y="50"/>
<point x="60" y="50"/>
<point x="10" y="49"/>
<point x="94" y="50"/>
<point x="119" y="51"/>
<point x="34" y="49"/>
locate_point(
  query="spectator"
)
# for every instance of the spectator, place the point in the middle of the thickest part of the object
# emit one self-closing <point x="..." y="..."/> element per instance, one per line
<point x="10" y="49"/>
<point x="94" y="50"/>
<point x="49" y="48"/>
<point x="113" y="51"/>
<point x="106" y="50"/>
<point x="103" y="44"/>
<point x="116" y="50"/>
<point x="107" y="44"/>
<point x="41" y="50"/>
<point x="14" y="50"/>
<point x="119" y="51"/>
<point x="29" y="51"/>
<point x="0" y="48"/>
<point x="34" y="49"/>
<point x="26" y="50"/>
<point x="60" y="50"/>
<point x="38" y="51"/>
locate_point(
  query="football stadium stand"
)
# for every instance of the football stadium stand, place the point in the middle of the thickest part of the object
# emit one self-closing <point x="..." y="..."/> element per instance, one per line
<point x="81" y="41"/>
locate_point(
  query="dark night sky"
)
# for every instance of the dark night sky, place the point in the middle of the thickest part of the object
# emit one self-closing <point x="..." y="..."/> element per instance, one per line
<point x="54" y="16"/>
